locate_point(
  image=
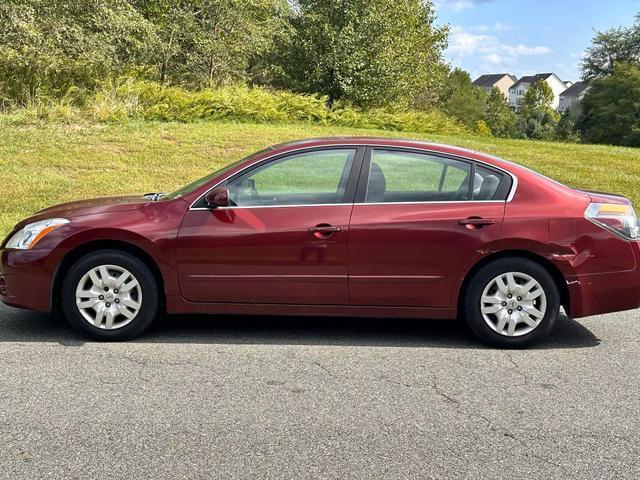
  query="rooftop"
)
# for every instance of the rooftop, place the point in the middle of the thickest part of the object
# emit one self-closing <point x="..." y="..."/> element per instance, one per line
<point x="530" y="79"/>
<point x="576" y="89"/>
<point x="491" y="79"/>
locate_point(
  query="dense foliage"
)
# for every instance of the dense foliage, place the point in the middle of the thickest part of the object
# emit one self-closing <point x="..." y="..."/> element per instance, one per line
<point x="369" y="63"/>
<point x="208" y="43"/>
<point x="617" y="45"/>
<point x="537" y="124"/>
<point x="144" y="100"/>
<point x="371" y="52"/>
<point x="367" y="53"/>
<point x="464" y="101"/>
<point x="611" y="110"/>
<point x="472" y="106"/>
<point x="499" y="116"/>
<point x="538" y="96"/>
<point x="537" y="120"/>
<point x="50" y="48"/>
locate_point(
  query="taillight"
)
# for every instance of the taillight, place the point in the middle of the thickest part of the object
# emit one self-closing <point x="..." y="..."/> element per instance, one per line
<point x="619" y="219"/>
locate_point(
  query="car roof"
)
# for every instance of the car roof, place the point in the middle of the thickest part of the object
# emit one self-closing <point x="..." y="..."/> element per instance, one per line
<point x="515" y="170"/>
<point x="393" y="142"/>
<point x="356" y="140"/>
<point x="512" y="168"/>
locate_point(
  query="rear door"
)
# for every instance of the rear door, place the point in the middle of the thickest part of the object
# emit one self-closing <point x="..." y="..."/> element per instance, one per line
<point x="419" y="220"/>
<point x="283" y="240"/>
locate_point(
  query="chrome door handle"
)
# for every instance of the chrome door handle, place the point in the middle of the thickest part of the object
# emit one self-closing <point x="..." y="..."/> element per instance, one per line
<point x="477" y="222"/>
<point x="324" y="230"/>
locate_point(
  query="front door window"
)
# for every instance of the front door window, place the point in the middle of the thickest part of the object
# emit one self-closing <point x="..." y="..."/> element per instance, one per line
<point x="310" y="178"/>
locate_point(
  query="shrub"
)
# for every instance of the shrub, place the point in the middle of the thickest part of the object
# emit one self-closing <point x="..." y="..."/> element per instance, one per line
<point x="537" y="124"/>
<point x="151" y="101"/>
<point x="481" y="128"/>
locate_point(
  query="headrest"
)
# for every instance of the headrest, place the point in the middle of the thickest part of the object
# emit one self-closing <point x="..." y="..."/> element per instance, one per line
<point x="377" y="183"/>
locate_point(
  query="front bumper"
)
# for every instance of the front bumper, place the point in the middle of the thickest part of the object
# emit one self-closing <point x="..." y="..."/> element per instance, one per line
<point x="26" y="278"/>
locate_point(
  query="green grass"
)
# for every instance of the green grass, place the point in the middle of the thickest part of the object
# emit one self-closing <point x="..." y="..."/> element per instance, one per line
<point x="45" y="165"/>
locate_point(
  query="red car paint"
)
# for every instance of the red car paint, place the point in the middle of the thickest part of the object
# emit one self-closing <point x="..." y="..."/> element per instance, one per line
<point x="395" y="259"/>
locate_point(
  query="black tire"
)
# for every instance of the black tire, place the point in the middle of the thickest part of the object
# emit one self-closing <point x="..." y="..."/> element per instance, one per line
<point x="149" y="288"/>
<point x="471" y="302"/>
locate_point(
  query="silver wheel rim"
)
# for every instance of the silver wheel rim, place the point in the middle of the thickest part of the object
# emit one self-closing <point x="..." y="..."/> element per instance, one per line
<point x="109" y="297"/>
<point x="513" y="304"/>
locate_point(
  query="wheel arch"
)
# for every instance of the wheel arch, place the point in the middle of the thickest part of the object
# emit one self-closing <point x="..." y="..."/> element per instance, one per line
<point x="554" y="271"/>
<point x="91" y="246"/>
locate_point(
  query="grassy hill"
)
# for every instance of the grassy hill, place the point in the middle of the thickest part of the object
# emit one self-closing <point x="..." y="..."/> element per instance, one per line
<point x="44" y="165"/>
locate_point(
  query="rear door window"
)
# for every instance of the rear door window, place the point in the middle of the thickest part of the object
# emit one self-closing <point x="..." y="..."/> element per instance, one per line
<point x="397" y="176"/>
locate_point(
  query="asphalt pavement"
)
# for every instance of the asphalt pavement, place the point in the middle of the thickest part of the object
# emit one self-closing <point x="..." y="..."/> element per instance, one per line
<point x="271" y="397"/>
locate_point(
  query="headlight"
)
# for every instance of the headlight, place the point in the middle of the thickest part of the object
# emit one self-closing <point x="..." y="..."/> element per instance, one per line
<point x="617" y="218"/>
<point x="30" y="234"/>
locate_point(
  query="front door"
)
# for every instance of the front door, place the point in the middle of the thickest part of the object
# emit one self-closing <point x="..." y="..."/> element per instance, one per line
<point x="283" y="240"/>
<point x="419" y="220"/>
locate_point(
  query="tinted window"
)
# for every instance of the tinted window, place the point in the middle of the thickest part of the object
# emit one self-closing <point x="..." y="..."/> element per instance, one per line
<point x="396" y="176"/>
<point x="309" y="178"/>
<point x="489" y="184"/>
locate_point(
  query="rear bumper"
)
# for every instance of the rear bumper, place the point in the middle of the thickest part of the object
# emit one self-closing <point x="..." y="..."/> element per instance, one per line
<point x="25" y="278"/>
<point x="604" y="293"/>
<point x="598" y="293"/>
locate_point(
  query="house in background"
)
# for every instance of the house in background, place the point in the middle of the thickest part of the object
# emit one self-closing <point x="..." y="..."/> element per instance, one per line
<point x="501" y="81"/>
<point x="519" y="88"/>
<point x="571" y="98"/>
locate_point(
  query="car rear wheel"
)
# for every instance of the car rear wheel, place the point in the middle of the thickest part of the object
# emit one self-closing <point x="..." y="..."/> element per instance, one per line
<point x="512" y="303"/>
<point x="110" y="295"/>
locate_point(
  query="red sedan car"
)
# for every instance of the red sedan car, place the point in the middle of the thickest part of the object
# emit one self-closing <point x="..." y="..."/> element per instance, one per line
<point x="336" y="226"/>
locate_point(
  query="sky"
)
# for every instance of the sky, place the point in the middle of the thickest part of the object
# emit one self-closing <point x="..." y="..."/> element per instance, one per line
<point x="524" y="37"/>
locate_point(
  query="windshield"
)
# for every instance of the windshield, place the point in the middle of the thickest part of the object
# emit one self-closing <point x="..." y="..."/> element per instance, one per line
<point x="201" y="181"/>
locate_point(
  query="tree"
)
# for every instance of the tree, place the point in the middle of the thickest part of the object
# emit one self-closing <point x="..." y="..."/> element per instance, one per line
<point x="473" y="107"/>
<point x="538" y="120"/>
<point x="537" y="124"/>
<point x="366" y="52"/>
<point x="499" y="117"/>
<point x="616" y="45"/>
<point x="462" y="100"/>
<point x="169" y="20"/>
<point x="539" y="96"/>
<point x="48" y="48"/>
<point x="566" y="128"/>
<point x="53" y="48"/>
<point x="225" y="37"/>
<point x="611" y="108"/>
<point x="210" y="42"/>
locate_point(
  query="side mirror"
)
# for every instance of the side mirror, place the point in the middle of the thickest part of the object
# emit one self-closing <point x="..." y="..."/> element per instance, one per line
<point x="218" y="197"/>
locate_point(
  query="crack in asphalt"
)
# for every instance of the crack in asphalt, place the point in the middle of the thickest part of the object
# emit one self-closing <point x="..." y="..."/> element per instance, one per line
<point x="448" y="398"/>
<point x="146" y="362"/>
<point x="517" y="368"/>
<point x="459" y="406"/>
<point x="470" y="414"/>
<point x="319" y="365"/>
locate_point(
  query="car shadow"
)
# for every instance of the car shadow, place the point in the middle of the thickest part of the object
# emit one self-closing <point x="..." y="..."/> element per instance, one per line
<point x="23" y="326"/>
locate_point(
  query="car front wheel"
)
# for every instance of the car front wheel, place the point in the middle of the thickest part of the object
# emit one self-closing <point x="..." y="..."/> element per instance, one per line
<point x="512" y="303"/>
<point x="110" y="295"/>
